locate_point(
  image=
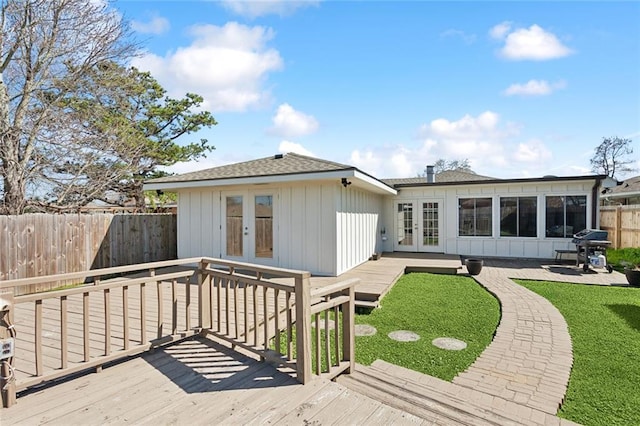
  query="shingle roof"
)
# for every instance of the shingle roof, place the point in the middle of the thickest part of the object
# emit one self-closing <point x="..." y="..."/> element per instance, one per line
<point x="270" y="166"/>
<point x="445" y="176"/>
<point x="631" y="185"/>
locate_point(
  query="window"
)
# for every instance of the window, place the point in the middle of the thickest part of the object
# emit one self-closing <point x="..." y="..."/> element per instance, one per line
<point x="518" y="216"/>
<point x="474" y="217"/>
<point x="565" y="215"/>
<point x="264" y="226"/>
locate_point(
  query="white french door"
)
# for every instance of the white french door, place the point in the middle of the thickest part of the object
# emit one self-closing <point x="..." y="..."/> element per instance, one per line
<point x="248" y="226"/>
<point x="418" y="225"/>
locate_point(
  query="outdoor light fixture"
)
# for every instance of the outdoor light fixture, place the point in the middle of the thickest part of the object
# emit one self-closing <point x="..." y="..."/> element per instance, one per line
<point x="345" y="182"/>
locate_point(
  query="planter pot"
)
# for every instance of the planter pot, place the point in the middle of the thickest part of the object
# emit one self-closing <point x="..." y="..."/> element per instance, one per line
<point x="474" y="266"/>
<point x="633" y="277"/>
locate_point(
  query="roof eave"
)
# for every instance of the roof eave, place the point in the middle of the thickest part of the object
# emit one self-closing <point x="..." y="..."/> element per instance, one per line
<point x="364" y="180"/>
<point x="501" y="181"/>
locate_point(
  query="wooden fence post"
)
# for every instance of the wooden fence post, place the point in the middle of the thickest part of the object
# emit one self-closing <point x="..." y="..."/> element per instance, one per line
<point x="7" y="334"/>
<point x="303" y="328"/>
<point x="617" y="242"/>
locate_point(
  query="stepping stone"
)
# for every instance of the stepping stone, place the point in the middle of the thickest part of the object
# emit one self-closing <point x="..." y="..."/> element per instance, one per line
<point x="365" y="330"/>
<point x="449" y="343"/>
<point x="404" y="336"/>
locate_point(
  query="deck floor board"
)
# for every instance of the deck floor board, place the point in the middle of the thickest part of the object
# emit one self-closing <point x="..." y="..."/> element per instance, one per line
<point x="196" y="381"/>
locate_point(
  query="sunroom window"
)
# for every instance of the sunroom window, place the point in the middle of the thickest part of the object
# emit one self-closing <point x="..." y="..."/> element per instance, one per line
<point x="518" y="216"/>
<point x="565" y="215"/>
<point x="474" y="217"/>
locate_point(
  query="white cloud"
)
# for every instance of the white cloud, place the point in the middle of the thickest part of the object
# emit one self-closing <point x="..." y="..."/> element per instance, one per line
<point x="490" y="145"/>
<point x="533" y="43"/>
<point x="287" y="146"/>
<point x="532" y="152"/>
<point x="226" y="65"/>
<point x="467" y="127"/>
<point x="534" y="88"/>
<point x="291" y="123"/>
<point x="453" y="33"/>
<point x="499" y="31"/>
<point x="256" y="8"/>
<point x="157" y="25"/>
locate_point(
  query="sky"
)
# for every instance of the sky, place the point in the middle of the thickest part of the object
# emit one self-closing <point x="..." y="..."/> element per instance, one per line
<point x="520" y="89"/>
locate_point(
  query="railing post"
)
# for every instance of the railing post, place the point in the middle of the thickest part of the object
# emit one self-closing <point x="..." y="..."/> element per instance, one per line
<point x="303" y="328"/>
<point x="348" y="329"/>
<point x="204" y="297"/>
<point x="7" y="334"/>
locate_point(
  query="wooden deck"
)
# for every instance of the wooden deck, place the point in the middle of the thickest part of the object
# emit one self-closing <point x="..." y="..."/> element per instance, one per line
<point x="198" y="381"/>
<point x="378" y="276"/>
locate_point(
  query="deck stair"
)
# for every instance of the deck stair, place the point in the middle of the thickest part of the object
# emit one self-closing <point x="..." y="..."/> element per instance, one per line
<point x="436" y="400"/>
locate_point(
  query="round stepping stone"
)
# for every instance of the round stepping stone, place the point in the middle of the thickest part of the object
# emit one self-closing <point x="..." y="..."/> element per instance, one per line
<point x="404" y="336"/>
<point x="365" y="330"/>
<point x="449" y="343"/>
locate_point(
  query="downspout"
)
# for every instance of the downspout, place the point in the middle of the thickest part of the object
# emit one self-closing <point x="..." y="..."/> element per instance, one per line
<point x="595" y="204"/>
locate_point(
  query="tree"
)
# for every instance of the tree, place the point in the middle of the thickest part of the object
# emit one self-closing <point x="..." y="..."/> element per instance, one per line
<point x="612" y="156"/>
<point x="45" y="47"/>
<point x="443" y="165"/>
<point x="124" y="129"/>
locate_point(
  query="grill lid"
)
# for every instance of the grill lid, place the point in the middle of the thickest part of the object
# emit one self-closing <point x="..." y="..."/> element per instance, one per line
<point x="590" y="234"/>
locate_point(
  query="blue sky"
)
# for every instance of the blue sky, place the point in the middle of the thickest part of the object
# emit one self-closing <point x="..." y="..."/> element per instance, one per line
<point x="521" y="89"/>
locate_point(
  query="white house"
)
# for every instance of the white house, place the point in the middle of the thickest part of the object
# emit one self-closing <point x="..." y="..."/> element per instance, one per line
<point x="298" y="212"/>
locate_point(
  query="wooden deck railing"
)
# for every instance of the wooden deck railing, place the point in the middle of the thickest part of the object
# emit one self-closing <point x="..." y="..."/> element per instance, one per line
<point x="127" y="310"/>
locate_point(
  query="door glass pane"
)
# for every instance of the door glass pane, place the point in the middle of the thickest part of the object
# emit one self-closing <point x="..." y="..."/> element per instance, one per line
<point x="430" y="224"/>
<point x="234" y="226"/>
<point x="264" y="225"/>
<point x="405" y="224"/>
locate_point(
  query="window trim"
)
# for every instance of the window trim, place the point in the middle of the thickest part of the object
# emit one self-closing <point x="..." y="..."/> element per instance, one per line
<point x="491" y="198"/>
<point x="537" y="218"/>
<point x="588" y="216"/>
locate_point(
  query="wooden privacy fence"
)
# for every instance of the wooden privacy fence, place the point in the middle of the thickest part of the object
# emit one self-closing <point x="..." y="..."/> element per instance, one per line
<point x="267" y="311"/>
<point x="35" y="245"/>
<point x="623" y="225"/>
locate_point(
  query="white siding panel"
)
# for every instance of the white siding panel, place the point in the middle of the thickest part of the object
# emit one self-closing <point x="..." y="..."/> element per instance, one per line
<point x="358" y="227"/>
<point x="183" y="224"/>
<point x="328" y="218"/>
<point x="306" y="235"/>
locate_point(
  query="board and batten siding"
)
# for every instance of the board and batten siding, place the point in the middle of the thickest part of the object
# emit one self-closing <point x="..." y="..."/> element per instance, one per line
<point x="199" y="223"/>
<point x="495" y="245"/>
<point x="307" y="223"/>
<point x="304" y="224"/>
<point x="358" y="225"/>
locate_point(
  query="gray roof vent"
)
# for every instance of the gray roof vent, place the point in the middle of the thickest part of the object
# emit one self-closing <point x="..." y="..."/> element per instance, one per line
<point x="278" y="156"/>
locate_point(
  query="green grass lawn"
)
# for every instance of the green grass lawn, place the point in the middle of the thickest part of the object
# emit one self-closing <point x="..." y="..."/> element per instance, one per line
<point x="432" y="306"/>
<point x="604" y="323"/>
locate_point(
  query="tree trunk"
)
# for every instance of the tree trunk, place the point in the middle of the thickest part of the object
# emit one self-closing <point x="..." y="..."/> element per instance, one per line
<point x="14" y="190"/>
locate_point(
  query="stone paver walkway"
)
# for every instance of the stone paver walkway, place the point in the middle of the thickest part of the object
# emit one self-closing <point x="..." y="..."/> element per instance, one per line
<point x="530" y="358"/>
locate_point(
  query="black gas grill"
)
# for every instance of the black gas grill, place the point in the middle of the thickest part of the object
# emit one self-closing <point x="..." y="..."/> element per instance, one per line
<point x="591" y="243"/>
